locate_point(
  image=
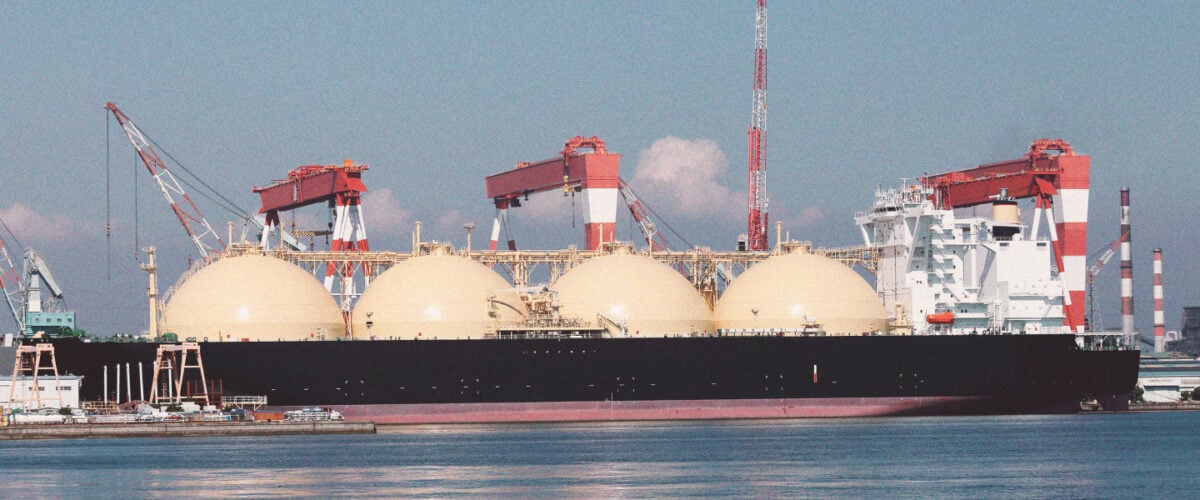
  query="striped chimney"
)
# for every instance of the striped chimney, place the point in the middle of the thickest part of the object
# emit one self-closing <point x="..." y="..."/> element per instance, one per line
<point x="1159" y="328"/>
<point x="1126" y="267"/>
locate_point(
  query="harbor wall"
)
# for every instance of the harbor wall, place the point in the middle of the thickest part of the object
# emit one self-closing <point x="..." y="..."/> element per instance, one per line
<point x="181" y="429"/>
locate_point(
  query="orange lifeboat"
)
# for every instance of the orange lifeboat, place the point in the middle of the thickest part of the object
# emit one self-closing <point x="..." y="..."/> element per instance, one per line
<point x="942" y="318"/>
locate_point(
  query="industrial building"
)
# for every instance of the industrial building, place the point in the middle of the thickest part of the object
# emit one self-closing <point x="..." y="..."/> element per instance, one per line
<point x="1168" y="379"/>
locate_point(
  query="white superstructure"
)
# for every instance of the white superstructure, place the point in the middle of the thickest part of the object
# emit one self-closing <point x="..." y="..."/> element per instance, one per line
<point x="961" y="275"/>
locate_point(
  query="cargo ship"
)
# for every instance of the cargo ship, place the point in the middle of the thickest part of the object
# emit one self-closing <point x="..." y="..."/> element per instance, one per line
<point x="967" y="315"/>
<point x="579" y="379"/>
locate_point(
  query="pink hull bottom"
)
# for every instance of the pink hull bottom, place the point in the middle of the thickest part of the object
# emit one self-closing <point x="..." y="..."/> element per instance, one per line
<point x="682" y="410"/>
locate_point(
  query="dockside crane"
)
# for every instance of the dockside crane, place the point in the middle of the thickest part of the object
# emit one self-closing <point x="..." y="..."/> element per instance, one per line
<point x="34" y="296"/>
<point x="44" y="307"/>
<point x="206" y="239"/>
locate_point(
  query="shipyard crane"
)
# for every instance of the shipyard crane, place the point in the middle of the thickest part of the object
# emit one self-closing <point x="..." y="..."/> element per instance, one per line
<point x="594" y="174"/>
<point x="341" y="188"/>
<point x="44" y="310"/>
<point x="203" y="236"/>
<point x="1058" y="180"/>
<point x="1094" y="270"/>
<point x="756" y="231"/>
<point x="34" y="296"/>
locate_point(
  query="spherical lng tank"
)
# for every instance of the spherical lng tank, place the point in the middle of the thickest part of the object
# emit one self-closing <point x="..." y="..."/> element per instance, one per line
<point x="648" y="297"/>
<point x="433" y="297"/>
<point x="252" y="297"/>
<point x="800" y="291"/>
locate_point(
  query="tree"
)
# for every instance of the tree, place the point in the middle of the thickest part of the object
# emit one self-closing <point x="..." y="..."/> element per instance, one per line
<point x="1136" y="394"/>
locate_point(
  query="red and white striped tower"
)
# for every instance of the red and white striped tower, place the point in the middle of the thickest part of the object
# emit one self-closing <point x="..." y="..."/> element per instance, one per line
<point x="1070" y="205"/>
<point x="1159" y="322"/>
<point x="600" y="205"/>
<point x="600" y="188"/>
<point x="1127" y="326"/>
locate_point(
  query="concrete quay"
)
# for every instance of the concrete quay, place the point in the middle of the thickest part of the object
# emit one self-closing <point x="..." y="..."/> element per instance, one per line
<point x="181" y="429"/>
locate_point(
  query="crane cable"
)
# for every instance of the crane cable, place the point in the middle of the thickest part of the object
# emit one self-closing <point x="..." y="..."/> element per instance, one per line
<point x="108" y="196"/>
<point x="136" y="217"/>
<point x="208" y="192"/>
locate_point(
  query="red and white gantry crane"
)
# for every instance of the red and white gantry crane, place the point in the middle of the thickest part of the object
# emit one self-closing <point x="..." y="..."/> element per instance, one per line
<point x="339" y="186"/>
<point x="1059" y="181"/>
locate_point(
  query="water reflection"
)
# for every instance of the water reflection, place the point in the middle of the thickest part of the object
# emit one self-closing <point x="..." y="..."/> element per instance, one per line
<point x="974" y="457"/>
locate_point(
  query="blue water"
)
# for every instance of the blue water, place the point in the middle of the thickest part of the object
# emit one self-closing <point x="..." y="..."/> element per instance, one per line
<point x="1093" y="455"/>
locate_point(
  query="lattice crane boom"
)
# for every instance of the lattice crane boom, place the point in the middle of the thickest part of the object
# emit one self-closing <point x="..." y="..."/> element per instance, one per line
<point x="203" y="235"/>
<point x="1094" y="270"/>
<point x="10" y="284"/>
<point x="757" y="213"/>
<point x="638" y="211"/>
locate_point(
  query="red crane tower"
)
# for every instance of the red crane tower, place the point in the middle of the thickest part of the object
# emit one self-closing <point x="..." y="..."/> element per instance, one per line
<point x="206" y="240"/>
<point x="757" y="228"/>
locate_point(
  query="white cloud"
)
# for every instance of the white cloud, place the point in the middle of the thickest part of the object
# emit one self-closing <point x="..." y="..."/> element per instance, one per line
<point x="449" y="227"/>
<point x="383" y="214"/>
<point x="808" y="217"/>
<point x="31" y="227"/>
<point x="682" y="177"/>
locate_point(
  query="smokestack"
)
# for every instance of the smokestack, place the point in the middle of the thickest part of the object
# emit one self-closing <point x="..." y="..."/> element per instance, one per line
<point x="1159" y="328"/>
<point x="1126" y="267"/>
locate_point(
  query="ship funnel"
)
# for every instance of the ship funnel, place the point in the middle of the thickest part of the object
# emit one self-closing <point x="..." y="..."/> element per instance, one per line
<point x="1006" y="212"/>
<point x="1006" y="216"/>
<point x="1005" y="209"/>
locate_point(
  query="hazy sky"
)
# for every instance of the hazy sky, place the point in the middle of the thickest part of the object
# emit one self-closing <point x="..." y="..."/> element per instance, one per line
<point x="436" y="95"/>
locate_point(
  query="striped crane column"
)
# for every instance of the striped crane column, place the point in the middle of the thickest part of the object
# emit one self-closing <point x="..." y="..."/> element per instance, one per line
<point x="1127" y="326"/>
<point x="600" y="205"/>
<point x="1159" y="323"/>
<point x="349" y="234"/>
<point x="501" y="221"/>
<point x="1070" y="205"/>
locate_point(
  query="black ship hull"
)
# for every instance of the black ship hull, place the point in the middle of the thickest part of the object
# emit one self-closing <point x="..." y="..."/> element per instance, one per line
<point x="661" y="378"/>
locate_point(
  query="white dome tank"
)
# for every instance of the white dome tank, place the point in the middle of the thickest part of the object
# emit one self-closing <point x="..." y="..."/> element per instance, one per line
<point x="252" y="297"/>
<point x="796" y="290"/>
<point x="648" y="296"/>
<point x="432" y="297"/>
